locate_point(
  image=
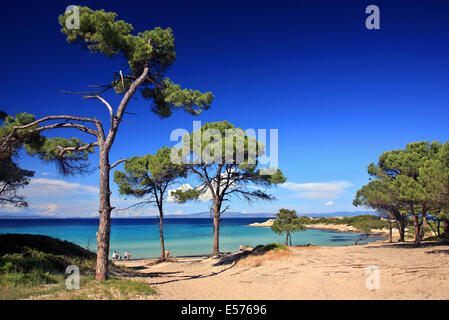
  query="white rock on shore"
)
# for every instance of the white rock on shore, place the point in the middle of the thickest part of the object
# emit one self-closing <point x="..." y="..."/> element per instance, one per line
<point x="267" y="223"/>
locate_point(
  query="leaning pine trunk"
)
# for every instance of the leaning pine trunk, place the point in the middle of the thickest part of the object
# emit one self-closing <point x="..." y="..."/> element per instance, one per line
<point x="216" y="227"/>
<point x="161" y="234"/>
<point x="104" y="229"/>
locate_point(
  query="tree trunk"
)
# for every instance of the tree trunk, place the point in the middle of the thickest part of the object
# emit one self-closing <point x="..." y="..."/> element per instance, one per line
<point x="104" y="229"/>
<point x="391" y="233"/>
<point x="417" y="240"/>
<point x="401" y="229"/>
<point x="216" y="227"/>
<point x="416" y="225"/>
<point x="446" y="228"/>
<point x="286" y="238"/>
<point x="161" y="233"/>
<point x="438" y="228"/>
<point x="422" y="231"/>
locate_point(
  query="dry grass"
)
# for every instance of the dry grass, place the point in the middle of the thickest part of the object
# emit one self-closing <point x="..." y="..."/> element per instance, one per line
<point x="112" y="289"/>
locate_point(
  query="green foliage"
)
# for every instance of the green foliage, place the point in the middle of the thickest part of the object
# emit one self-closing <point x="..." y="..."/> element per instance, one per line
<point x="171" y="97"/>
<point x="221" y="142"/>
<point x="101" y="32"/>
<point x="363" y="223"/>
<point x="225" y="154"/>
<point x="148" y="175"/>
<point x="10" y="122"/>
<point x="434" y="176"/>
<point x="182" y="196"/>
<point x="12" y="177"/>
<point x="19" y="243"/>
<point x="34" y="266"/>
<point x="71" y="162"/>
<point x="287" y="221"/>
<point x="270" y="247"/>
<point x="412" y="181"/>
<point x="33" y="260"/>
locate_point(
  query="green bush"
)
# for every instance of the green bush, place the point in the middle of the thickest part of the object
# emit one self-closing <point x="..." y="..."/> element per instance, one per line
<point x="44" y="262"/>
<point x="270" y="247"/>
<point x="363" y="223"/>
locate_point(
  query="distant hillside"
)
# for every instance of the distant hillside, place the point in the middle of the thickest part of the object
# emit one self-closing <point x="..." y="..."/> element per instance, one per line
<point x="224" y="215"/>
<point x="338" y="214"/>
<point x="206" y="215"/>
<point x="270" y="215"/>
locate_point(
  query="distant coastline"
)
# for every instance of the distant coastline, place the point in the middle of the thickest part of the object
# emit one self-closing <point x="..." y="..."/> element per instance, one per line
<point x="330" y="227"/>
<point x="197" y="215"/>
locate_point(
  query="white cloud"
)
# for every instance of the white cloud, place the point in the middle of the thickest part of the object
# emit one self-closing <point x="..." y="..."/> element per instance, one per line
<point x="49" y="209"/>
<point x="329" y="204"/>
<point x="51" y="187"/>
<point x="204" y="197"/>
<point x="317" y="190"/>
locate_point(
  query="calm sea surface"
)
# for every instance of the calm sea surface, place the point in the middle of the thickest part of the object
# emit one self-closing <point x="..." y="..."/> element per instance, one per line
<point x="182" y="236"/>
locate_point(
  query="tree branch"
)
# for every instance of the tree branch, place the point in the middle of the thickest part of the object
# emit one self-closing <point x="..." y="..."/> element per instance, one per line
<point x="58" y="125"/>
<point x="206" y="181"/>
<point x="111" y="112"/>
<point x="117" y="163"/>
<point x="85" y="147"/>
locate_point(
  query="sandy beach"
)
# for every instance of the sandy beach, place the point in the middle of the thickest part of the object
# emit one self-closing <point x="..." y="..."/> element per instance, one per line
<point x="405" y="272"/>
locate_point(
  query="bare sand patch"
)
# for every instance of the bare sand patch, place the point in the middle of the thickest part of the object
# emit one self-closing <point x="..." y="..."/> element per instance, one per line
<point x="307" y="273"/>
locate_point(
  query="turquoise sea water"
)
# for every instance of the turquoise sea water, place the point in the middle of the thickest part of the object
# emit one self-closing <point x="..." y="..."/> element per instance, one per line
<point x="183" y="237"/>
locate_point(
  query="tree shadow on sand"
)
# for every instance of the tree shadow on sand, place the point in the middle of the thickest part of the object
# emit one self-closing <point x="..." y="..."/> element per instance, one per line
<point x="411" y="245"/>
<point x="175" y="276"/>
<point x="184" y="277"/>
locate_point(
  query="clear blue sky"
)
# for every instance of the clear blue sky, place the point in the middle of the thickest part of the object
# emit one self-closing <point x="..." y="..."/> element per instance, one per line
<point x="339" y="94"/>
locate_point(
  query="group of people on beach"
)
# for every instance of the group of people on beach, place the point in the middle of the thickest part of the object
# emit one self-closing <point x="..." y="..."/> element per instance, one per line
<point x="116" y="256"/>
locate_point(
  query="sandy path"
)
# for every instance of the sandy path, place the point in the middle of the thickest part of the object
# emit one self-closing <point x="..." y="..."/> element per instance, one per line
<point x="308" y="273"/>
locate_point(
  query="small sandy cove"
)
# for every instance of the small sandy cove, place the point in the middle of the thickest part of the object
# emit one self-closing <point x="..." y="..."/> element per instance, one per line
<point x="404" y="272"/>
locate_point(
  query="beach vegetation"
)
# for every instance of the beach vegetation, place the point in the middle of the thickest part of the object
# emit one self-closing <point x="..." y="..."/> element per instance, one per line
<point x="411" y="182"/>
<point x="362" y="223"/>
<point x="34" y="266"/>
<point x="270" y="247"/>
<point x="287" y="222"/>
<point x="148" y="55"/>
